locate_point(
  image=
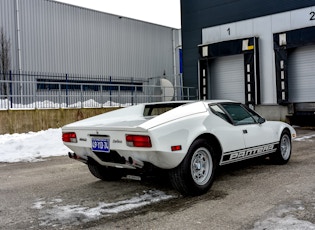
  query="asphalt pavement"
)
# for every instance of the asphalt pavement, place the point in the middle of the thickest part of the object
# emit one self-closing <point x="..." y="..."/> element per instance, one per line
<point x="250" y="195"/>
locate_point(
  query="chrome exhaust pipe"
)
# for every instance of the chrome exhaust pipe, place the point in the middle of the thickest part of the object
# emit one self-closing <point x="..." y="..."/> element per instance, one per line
<point x="76" y="157"/>
<point x="73" y="156"/>
<point x="70" y="154"/>
<point x="135" y="163"/>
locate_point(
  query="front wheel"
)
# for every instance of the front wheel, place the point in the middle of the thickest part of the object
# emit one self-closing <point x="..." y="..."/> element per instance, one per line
<point x="283" y="153"/>
<point x="195" y="174"/>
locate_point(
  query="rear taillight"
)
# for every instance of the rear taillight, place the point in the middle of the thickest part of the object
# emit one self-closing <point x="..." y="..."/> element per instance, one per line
<point x="69" y="137"/>
<point x="138" y="141"/>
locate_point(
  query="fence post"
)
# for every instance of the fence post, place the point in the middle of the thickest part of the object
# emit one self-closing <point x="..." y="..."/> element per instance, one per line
<point x="81" y="95"/>
<point x="102" y="96"/>
<point x="110" y="90"/>
<point x="119" y="100"/>
<point x="11" y="102"/>
<point x="131" y="92"/>
<point x="67" y="102"/>
<point x="34" y="89"/>
<point x="136" y="101"/>
<point x="59" y="92"/>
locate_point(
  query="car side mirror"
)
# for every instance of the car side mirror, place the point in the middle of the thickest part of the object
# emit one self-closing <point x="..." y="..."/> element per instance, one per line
<point x="261" y="120"/>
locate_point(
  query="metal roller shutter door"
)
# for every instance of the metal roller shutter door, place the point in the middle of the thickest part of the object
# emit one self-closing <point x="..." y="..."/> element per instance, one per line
<point x="227" y="78"/>
<point x="301" y="74"/>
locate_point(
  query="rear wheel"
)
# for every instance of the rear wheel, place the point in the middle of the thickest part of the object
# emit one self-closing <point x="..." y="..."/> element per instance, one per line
<point x="103" y="172"/>
<point x="195" y="174"/>
<point x="283" y="153"/>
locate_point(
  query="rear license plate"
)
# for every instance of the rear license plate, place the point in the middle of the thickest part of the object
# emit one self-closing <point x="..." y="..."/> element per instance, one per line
<point x="100" y="145"/>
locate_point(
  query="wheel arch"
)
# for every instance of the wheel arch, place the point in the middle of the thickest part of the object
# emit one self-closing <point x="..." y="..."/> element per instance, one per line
<point x="214" y="142"/>
<point x="285" y="129"/>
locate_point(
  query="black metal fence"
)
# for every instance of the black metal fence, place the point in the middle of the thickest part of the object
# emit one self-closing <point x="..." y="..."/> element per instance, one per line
<point x="44" y="91"/>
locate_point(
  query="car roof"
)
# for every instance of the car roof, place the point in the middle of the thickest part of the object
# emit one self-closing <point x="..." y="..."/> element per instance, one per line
<point x="192" y="101"/>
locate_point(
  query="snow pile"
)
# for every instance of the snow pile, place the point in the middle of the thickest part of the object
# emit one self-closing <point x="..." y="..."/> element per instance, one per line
<point x="54" y="213"/>
<point x="46" y="104"/>
<point x="32" y="146"/>
<point x="284" y="218"/>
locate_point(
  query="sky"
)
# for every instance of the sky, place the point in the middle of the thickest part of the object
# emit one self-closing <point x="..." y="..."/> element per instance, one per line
<point x="54" y="212"/>
<point x="162" y="12"/>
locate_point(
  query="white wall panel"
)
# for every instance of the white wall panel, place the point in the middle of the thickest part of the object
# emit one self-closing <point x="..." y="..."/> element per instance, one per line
<point x="279" y="22"/>
<point x="301" y="18"/>
<point x="264" y="28"/>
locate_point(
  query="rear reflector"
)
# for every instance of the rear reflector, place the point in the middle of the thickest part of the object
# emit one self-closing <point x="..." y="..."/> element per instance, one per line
<point x="69" y="137"/>
<point x="176" y="148"/>
<point x="138" y="141"/>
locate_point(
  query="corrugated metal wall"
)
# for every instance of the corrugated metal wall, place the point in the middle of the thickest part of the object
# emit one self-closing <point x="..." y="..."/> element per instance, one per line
<point x="8" y="23"/>
<point x="60" y="38"/>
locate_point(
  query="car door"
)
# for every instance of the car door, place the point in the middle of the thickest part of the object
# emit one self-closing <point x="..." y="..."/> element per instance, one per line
<point x="255" y="131"/>
<point x="230" y="136"/>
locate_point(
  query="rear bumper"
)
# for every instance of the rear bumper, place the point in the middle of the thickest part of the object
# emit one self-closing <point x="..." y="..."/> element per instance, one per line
<point x="127" y="159"/>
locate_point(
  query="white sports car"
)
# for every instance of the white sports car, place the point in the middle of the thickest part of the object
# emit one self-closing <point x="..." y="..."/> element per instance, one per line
<point x="187" y="139"/>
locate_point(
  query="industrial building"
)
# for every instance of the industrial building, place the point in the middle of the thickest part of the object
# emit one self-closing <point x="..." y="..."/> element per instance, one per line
<point x="257" y="52"/>
<point x="82" y="45"/>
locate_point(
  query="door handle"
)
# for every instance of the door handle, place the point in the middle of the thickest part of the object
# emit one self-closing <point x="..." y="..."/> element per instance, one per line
<point x="245" y="131"/>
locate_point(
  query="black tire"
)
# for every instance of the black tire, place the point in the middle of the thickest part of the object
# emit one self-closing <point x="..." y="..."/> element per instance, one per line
<point x="283" y="153"/>
<point x="195" y="174"/>
<point x="103" y="172"/>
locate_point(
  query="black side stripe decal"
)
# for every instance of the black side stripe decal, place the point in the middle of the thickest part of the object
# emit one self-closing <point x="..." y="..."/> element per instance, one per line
<point x="243" y="154"/>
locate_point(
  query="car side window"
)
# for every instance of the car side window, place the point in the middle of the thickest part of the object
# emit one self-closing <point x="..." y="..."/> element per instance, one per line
<point x="239" y="114"/>
<point x="220" y="113"/>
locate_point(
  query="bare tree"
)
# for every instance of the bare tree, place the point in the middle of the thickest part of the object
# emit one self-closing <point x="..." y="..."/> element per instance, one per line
<point x="4" y="61"/>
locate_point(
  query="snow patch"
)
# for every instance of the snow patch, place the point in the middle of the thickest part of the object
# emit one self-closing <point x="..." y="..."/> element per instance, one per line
<point x="53" y="213"/>
<point x="304" y="138"/>
<point x="284" y="218"/>
<point x="285" y="223"/>
<point x="32" y="146"/>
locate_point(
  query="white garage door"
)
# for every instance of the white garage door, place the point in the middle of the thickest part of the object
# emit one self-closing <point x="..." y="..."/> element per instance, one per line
<point x="301" y="74"/>
<point x="227" y="78"/>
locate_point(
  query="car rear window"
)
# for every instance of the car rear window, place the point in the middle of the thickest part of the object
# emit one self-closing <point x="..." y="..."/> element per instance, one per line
<point x="158" y="109"/>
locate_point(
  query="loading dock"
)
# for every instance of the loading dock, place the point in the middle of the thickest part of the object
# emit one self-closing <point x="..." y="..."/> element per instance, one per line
<point x="295" y="72"/>
<point x="230" y="70"/>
